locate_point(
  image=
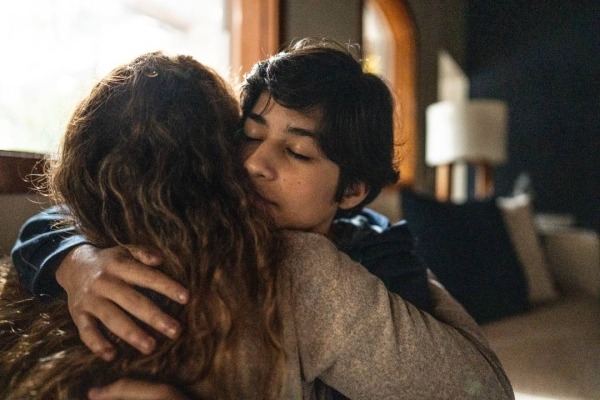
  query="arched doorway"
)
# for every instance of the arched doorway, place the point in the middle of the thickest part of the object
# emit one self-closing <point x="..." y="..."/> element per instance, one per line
<point x="393" y="44"/>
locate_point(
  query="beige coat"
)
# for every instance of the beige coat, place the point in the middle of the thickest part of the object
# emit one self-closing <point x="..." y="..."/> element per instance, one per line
<point x="343" y="327"/>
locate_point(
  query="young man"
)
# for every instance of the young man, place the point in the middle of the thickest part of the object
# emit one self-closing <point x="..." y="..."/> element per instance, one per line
<point x="318" y="142"/>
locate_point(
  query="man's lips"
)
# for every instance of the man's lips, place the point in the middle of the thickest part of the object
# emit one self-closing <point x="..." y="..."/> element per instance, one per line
<point x="266" y="200"/>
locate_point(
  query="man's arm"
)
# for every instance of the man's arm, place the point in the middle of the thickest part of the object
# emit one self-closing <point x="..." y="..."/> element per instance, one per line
<point x="41" y="246"/>
<point x="101" y="284"/>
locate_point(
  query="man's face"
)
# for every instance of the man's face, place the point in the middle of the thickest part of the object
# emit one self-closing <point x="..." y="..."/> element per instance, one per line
<point x="297" y="182"/>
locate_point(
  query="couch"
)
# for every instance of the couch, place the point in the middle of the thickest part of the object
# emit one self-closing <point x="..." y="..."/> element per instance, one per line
<point x="553" y="351"/>
<point x="539" y="282"/>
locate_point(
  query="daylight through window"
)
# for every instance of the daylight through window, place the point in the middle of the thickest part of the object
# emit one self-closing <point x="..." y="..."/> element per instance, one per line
<point x="54" y="50"/>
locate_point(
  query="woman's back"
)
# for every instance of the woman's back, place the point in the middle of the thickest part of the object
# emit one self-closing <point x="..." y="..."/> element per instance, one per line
<point x="148" y="159"/>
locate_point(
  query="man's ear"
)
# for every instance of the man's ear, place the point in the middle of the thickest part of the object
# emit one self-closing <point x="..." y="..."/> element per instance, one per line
<point x="353" y="195"/>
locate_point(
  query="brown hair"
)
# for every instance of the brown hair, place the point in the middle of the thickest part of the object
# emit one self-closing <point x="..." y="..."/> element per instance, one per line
<point x="147" y="159"/>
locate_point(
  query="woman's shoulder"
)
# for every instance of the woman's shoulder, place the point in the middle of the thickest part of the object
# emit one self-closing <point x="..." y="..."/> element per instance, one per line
<point x="312" y="259"/>
<point x="299" y="241"/>
<point x="308" y="249"/>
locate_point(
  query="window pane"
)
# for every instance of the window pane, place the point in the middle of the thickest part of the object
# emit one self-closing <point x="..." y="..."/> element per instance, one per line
<point x="54" y="50"/>
<point x="378" y="43"/>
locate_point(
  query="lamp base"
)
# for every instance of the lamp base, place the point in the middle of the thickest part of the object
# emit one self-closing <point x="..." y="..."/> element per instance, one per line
<point x="484" y="180"/>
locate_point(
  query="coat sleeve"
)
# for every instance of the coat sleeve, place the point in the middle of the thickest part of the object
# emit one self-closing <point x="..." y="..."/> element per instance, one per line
<point x="369" y="343"/>
<point x="40" y="247"/>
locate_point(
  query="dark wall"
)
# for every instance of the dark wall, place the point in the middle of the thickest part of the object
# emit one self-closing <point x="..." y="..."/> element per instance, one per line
<point x="543" y="58"/>
<point x="339" y="20"/>
<point x="439" y="25"/>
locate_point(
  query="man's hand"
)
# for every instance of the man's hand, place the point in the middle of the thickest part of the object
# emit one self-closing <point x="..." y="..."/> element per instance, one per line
<point x="99" y="285"/>
<point x="128" y="389"/>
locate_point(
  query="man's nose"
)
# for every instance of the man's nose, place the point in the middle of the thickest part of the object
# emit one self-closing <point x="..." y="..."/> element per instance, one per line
<point x="260" y="163"/>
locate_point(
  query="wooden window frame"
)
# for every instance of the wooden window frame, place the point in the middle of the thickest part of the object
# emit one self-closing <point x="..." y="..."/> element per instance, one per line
<point x="255" y="33"/>
<point x="16" y="170"/>
<point x="402" y="27"/>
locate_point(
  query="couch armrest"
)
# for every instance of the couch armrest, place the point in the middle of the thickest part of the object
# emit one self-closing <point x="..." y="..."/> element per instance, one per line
<point x="574" y="257"/>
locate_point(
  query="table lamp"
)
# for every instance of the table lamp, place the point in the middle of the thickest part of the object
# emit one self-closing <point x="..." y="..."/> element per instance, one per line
<point x="472" y="132"/>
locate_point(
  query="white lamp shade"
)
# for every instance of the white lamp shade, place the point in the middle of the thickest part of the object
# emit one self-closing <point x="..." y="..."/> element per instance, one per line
<point x="473" y="130"/>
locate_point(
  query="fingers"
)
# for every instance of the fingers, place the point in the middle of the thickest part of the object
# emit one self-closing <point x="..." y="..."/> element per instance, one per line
<point x="92" y="338"/>
<point x="146" y="311"/>
<point x="118" y="322"/>
<point x="115" y="312"/>
<point x="125" y="299"/>
<point x="100" y="288"/>
<point x="129" y="389"/>
<point x="145" y="255"/>
<point x="139" y="274"/>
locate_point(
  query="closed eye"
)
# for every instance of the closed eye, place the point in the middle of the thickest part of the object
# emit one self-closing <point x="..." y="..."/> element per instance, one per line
<point x="298" y="156"/>
<point x="247" y="138"/>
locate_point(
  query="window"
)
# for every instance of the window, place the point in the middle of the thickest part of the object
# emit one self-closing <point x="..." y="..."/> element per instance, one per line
<point x="378" y="42"/>
<point x="390" y="46"/>
<point x="54" y="50"/>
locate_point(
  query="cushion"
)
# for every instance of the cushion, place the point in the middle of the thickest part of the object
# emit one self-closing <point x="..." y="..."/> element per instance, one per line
<point x="519" y="220"/>
<point x="574" y="258"/>
<point x="468" y="248"/>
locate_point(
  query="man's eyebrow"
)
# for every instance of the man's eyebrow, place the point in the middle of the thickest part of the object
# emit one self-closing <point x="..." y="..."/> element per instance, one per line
<point x="292" y="130"/>
<point x="301" y="132"/>
<point x="259" y="119"/>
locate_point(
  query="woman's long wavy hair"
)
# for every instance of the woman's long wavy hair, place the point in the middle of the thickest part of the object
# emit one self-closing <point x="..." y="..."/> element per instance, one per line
<point x="148" y="159"/>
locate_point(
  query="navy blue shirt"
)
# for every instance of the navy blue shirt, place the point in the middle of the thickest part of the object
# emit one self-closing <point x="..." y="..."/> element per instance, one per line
<point x="388" y="252"/>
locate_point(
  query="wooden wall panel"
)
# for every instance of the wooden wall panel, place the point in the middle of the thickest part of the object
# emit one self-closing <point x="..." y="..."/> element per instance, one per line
<point x="16" y="171"/>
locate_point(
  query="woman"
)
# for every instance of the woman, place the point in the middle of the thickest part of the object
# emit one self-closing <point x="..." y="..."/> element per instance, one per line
<point x="147" y="160"/>
<point x="130" y="172"/>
